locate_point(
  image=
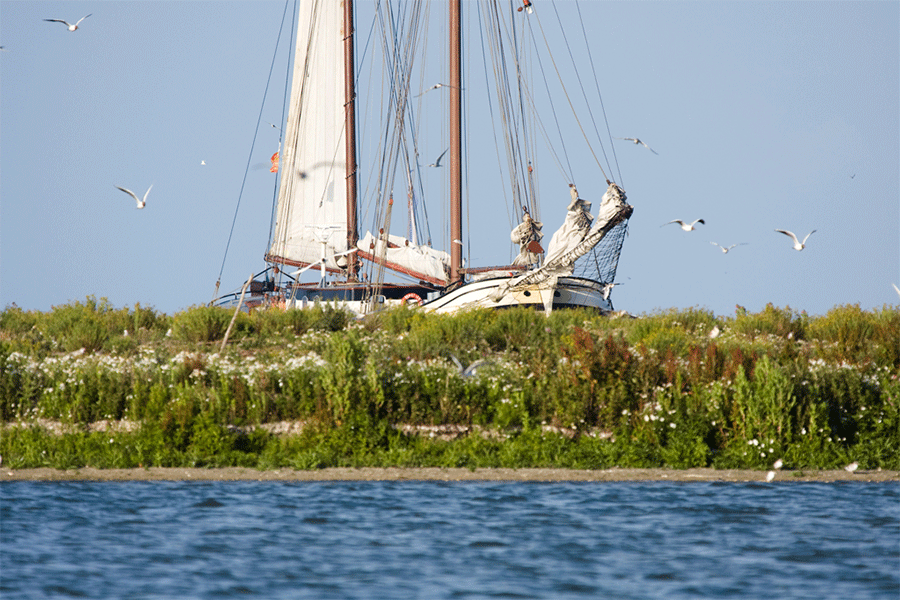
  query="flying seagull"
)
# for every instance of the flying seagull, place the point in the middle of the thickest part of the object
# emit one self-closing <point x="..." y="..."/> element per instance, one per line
<point x="437" y="163"/>
<point x="896" y="289"/>
<point x="436" y="86"/>
<point x="637" y="141"/>
<point x="140" y="203"/>
<point x="685" y="226"/>
<point x="724" y="249"/>
<point x="770" y="475"/>
<point x="798" y="245"/>
<point x="472" y="368"/>
<point x="778" y="464"/>
<point x="69" y="25"/>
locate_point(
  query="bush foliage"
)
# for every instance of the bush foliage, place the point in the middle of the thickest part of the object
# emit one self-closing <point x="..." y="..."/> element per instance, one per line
<point x="483" y="388"/>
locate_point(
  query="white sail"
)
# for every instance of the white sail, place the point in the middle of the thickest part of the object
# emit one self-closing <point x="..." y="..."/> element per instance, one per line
<point x="418" y="260"/>
<point x="312" y="197"/>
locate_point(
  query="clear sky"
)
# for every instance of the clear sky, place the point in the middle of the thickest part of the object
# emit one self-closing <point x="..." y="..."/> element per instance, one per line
<point x="765" y="115"/>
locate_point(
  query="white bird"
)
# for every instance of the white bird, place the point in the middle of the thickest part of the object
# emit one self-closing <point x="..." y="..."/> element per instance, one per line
<point x="851" y="467"/>
<point x="608" y="288"/>
<point x="435" y="87"/>
<point x="69" y="25"/>
<point x="770" y="475"/>
<point x="724" y="249"/>
<point x="471" y="369"/>
<point x="637" y="141"/>
<point x="140" y="203"/>
<point x="798" y="245"/>
<point x="778" y="464"/>
<point x="685" y="226"/>
<point x="715" y="332"/>
<point x="896" y="288"/>
<point x="437" y="163"/>
<point x="202" y="163"/>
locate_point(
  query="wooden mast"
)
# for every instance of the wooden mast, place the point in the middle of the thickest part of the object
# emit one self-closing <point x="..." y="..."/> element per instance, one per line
<point x="350" y="129"/>
<point x="455" y="143"/>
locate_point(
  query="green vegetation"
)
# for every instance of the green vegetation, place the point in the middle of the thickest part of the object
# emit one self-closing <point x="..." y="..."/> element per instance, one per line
<point x="88" y="384"/>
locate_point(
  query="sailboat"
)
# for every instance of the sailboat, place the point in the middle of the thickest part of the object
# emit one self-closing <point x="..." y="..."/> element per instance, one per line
<point x="320" y="171"/>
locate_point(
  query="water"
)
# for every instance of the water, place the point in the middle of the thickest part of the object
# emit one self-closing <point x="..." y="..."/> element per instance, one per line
<point x="449" y="540"/>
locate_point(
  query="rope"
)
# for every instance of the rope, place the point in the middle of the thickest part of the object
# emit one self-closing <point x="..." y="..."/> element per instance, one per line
<point x="284" y="105"/>
<point x="575" y="114"/>
<point x="599" y="95"/>
<point x="252" y="145"/>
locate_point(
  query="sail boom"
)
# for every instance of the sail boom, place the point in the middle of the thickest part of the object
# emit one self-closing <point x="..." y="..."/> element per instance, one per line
<point x="281" y="260"/>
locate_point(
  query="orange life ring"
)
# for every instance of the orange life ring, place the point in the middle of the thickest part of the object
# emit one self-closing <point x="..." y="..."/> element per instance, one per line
<point x="414" y="297"/>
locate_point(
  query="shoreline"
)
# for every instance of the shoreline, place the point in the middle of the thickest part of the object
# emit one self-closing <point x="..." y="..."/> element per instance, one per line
<point x="442" y="474"/>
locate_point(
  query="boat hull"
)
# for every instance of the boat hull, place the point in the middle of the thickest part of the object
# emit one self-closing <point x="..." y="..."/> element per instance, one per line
<point x="569" y="292"/>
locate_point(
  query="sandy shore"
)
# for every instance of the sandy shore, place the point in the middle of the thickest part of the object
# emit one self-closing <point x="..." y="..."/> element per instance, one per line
<point x="436" y="474"/>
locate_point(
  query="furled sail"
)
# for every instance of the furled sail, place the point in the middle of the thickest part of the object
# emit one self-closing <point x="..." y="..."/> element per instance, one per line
<point x="420" y="261"/>
<point x="573" y="240"/>
<point x="312" y="217"/>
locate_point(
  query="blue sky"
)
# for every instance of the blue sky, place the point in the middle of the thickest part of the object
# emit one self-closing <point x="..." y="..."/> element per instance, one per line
<point x="765" y="115"/>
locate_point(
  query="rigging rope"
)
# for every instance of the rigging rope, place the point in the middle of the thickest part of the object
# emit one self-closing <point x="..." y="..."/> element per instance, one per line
<point x="252" y="145"/>
<point x="284" y="105"/>
<point x="599" y="95"/>
<point x="559" y="76"/>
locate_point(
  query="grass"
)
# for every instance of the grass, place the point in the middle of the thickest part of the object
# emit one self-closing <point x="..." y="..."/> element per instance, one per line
<point x="570" y="390"/>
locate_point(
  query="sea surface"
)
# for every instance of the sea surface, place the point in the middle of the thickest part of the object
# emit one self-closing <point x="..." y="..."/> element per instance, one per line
<point x="181" y="540"/>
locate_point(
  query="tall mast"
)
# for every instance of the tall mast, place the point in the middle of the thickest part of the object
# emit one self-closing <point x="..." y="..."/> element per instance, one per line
<point x="455" y="142"/>
<point x="350" y="128"/>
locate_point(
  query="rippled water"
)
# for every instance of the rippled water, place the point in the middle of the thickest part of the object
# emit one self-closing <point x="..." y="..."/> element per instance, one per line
<point x="449" y="540"/>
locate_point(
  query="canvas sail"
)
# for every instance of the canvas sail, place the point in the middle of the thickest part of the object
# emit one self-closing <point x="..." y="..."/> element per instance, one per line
<point x="311" y="221"/>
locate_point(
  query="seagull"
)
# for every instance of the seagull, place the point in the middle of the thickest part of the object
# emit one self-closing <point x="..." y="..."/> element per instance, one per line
<point x="851" y="467"/>
<point x="724" y="249"/>
<point x="435" y="87"/>
<point x="798" y="245"/>
<point x="770" y="475"/>
<point x="437" y="163"/>
<point x="896" y="288"/>
<point x="608" y="288"/>
<point x="69" y="25"/>
<point x="685" y="226"/>
<point x="471" y="369"/>
<point x="140" y="203"/>
<point x="203" y="163"/>
<point x="778" y="464"/>
<point x="637" y="141"/>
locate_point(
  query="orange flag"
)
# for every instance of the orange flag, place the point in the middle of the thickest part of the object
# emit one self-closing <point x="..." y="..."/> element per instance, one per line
<point x="274" y="168"/>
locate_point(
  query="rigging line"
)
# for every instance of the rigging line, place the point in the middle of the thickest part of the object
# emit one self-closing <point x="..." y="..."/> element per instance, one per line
<point x="284" y="104"/>
<point x="521" y="146"/>
<point x="253" y="144"/>
<point x="570" y="176"/>
<point x="490" y="20"/>
<point x="596" y="85"/>
<point x="511" y="117"/>
<point x="542" y="128"/>
<point x="569" y="99"/>
<point x="362" y="132"/>
<point x="580" y="83"/>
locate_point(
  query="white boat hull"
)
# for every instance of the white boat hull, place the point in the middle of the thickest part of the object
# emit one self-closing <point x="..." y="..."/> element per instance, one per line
<point x="569" y="292"/>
